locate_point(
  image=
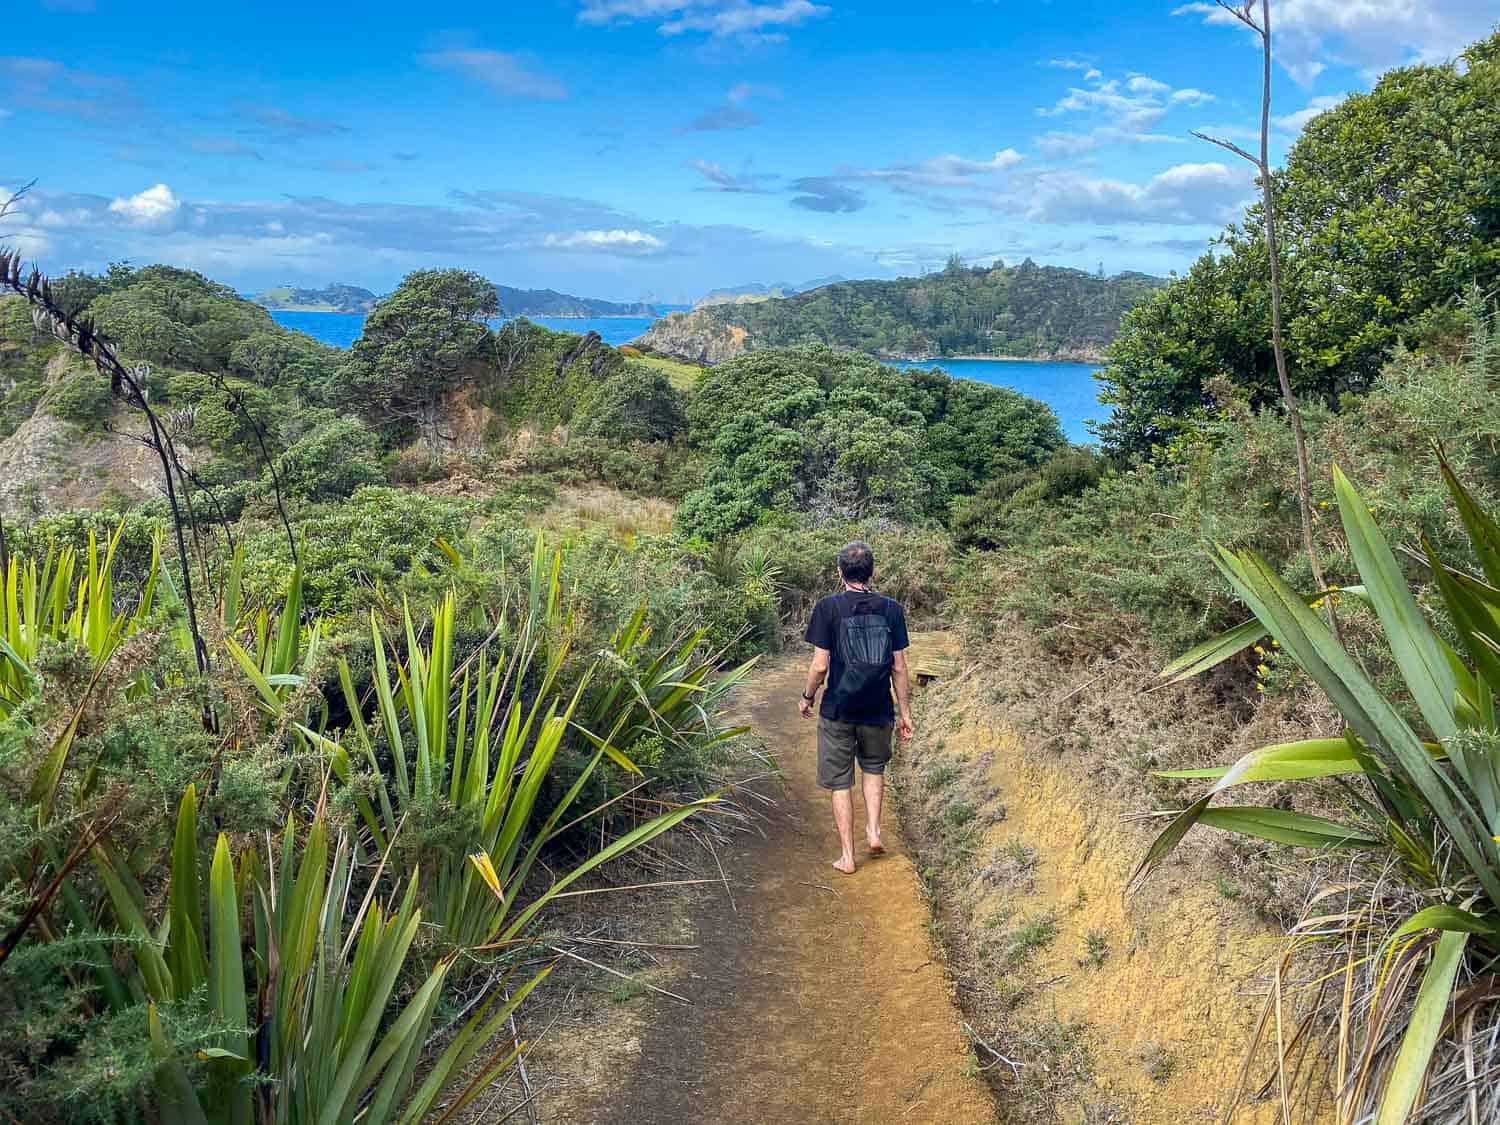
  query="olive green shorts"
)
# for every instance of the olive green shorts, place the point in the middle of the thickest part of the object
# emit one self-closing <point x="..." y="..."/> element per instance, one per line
<point x="840" y="745"/>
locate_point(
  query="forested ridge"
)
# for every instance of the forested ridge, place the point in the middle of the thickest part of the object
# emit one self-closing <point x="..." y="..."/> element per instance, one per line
<point x="1024" y="310"/>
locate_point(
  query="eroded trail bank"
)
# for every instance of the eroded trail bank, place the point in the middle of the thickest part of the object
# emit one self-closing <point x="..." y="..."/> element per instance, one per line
<point x="815" y="997"/>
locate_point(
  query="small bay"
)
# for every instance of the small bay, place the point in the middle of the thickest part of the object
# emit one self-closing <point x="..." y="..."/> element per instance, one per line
<point x="1068" y="388"/>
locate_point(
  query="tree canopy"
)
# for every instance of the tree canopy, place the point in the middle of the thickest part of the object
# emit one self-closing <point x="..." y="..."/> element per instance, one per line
<point x="834" y="434"/>
<point x="419" y="344"/>
<point x="1389" y="209"/>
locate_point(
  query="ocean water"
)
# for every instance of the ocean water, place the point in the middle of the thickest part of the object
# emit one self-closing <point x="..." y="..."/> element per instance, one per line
<point x="342" y="329"/>
<point x="1066" y="387"/>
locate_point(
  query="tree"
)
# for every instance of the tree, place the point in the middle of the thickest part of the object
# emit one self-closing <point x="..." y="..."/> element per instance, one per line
<point x="1388" y="210"/>
<point x="420" y="344"/>
<point x="286" y="361"/>
<point x="636" y="403"/>
<point x="1268" y="208"/>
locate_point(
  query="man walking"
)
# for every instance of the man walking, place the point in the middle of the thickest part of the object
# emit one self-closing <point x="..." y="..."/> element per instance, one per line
<point x="859" y="646"/>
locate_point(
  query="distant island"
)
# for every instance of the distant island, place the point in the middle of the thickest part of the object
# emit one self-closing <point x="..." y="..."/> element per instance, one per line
<point x="333" y="298"/>
<point x="549" y="302"/>
<point x="343" y="298"/>
<point x="753" y="293"/>
<point x="1013" y="312"/>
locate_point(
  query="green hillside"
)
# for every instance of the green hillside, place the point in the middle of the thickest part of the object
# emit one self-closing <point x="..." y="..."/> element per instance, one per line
<point x="1026" y="310"/>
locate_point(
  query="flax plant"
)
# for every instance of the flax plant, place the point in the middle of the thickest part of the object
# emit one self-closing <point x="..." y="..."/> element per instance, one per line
<point x="308" y="1029"/>
<point x="1424" y="802"/>
<point x="52" y="600"/>
<point x="471" y="746"/>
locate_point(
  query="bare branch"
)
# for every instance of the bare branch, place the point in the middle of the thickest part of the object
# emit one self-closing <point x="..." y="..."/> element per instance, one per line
<point x="1246" y="14"/>
<point x="1231" y="146"/>
<point x="9" y="205"/>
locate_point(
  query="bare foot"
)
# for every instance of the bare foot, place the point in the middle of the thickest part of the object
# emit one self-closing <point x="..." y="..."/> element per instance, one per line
<point x="876" y="847"/>
<point x="844" y="865"/>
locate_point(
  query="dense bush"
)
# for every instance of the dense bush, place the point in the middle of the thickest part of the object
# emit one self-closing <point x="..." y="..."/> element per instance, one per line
<point x="980" y="520"/>
<point x="644" y="468"/>
<point x="330" y="462"/>
<point x="175" y="317"/>
<point x="83" y="398"/>
<point x="1125" y="558"/>
<point x="1021" y="310"/>
<point x="835" y="436"/>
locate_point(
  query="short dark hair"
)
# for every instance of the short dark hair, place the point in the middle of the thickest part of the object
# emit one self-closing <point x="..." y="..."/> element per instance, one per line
<point x="857" y="561"/>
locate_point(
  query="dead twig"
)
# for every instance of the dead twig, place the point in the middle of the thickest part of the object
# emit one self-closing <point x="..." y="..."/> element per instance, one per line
<point x="997" y="1056"/>
<point x="617" y="973"/>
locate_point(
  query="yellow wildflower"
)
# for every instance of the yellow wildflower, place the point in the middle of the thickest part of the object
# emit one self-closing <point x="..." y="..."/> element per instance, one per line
<point x="1262" y="670"/>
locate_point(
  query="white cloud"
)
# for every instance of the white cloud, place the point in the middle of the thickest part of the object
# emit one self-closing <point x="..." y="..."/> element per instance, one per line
<point x="154" y="205"/>
<point x="1296" y="122"/>
<point x="721" y="179"/>
<point x="943" y="171"/>
<point x="503" y="73"/>
<point x="1123" y="111"/>
<point x="1183" y="194"/>
<point x="1370" y="34"/>
<point x="606" y="240"/>
<point x="1190" y="96"/>
<point x="733" y="113"/>
<point x="746" y="20"/>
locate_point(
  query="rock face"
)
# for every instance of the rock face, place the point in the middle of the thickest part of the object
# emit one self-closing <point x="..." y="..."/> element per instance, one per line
<point x="696" y="337"/>
<point x="51" y="465"/>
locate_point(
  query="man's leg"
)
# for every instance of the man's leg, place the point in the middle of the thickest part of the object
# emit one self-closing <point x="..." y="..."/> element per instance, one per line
<point x="843" y="818"/>
<point x="874" y="790"/>
<point x="836" y="743"/>
<point x="873" y="746"/>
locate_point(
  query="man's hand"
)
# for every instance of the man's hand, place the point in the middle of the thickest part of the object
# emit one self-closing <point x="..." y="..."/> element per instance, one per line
<point x="906" y="728"/>
<point x="804" y="706"/>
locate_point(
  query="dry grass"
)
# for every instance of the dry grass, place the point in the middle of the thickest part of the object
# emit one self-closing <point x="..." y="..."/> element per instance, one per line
<point x="1017" y="793"/>
<point x="590" y="507"/>
<point x="684" y="376"/>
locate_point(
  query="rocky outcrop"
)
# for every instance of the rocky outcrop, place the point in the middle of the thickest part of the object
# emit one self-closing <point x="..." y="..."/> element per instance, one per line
<point x="49" y="465"/>
<point x="696" y="337"/>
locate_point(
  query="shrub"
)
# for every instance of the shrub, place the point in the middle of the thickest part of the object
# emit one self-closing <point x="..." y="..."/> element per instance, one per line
<point x="331" y="462"/>
<point x="636" y="404"/>
<point x="83" y="398"/>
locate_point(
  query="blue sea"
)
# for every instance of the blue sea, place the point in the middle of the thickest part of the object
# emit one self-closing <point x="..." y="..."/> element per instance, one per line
<point x="1066" y="387"/>
<point x="342" y="329"/>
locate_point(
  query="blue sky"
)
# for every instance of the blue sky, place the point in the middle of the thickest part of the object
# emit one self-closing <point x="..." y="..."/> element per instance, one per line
<point x="630" y="148"/>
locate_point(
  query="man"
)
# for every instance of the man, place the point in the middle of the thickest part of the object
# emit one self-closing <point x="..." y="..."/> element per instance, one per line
<point x="859" y="645"/>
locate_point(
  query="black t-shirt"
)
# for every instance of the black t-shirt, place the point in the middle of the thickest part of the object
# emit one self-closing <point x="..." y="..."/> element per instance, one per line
<point x="873" y="704"/>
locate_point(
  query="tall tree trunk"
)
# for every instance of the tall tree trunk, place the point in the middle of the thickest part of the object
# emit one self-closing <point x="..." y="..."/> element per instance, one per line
<point x="1278" y="348"/>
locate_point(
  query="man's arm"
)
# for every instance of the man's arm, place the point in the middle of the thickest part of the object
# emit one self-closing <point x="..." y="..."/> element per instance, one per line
<point x="817" y="672"/>
<point x="901" y="681"/>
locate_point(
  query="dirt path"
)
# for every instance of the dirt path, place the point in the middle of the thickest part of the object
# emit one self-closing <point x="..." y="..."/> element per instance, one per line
<point x="816" y="998"/>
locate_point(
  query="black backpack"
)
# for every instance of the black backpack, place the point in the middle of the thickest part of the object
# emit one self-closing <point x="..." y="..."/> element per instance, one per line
<point x="864" y="646"/>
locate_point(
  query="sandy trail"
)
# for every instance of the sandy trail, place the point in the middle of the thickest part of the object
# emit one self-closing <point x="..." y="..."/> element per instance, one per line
<point x="816" y="997"/>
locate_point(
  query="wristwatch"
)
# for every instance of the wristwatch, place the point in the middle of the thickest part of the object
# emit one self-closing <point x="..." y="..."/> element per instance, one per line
<point x="809" y="698"/>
